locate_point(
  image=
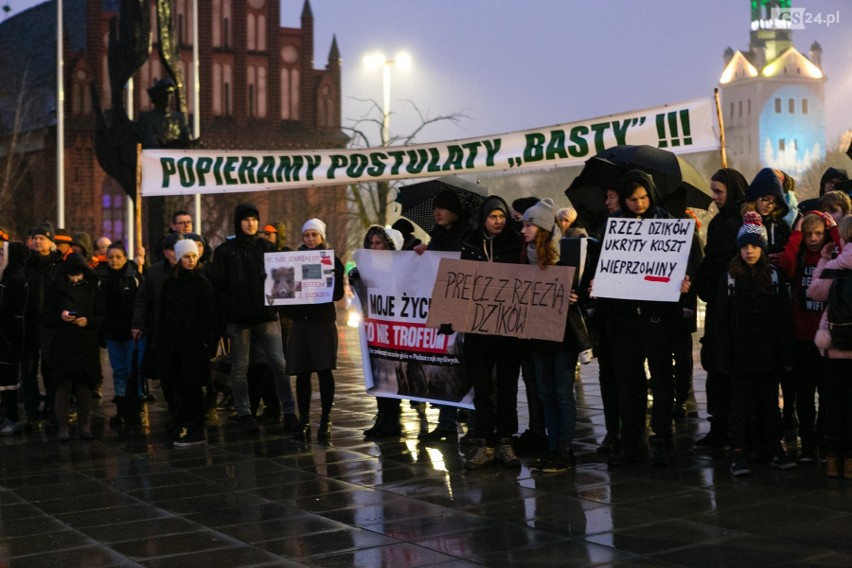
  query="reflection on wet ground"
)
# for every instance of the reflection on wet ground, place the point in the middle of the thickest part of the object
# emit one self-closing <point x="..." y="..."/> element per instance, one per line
<point x="268" y="501"/>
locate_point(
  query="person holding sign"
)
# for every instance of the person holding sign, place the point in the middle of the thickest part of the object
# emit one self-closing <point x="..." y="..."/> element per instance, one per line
<point x="387" y="423"/>
<point x="493" y="361"/>
<point x="238" y="276"/>
<point x="452" y="228"/>
<point x="313" y="342"/>
<point x="643" y="329"/>
<point x="553" y="362"/>
<point x="754" y="342"/>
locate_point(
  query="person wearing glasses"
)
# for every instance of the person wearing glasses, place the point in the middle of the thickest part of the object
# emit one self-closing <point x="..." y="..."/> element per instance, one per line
<point x="181" y="222"/>
<point x="765" y="194"/>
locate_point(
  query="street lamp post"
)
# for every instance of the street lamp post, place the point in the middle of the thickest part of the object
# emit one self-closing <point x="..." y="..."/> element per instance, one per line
<point x="402" y="59"/>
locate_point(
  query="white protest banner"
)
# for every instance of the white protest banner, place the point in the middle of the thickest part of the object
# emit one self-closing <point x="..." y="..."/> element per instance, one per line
<point x="643" y="259"/>
<point x="299" y="277"/>
<point x="402" y="357"/>
<point x="511" y="300"/>
<point x="683" y="127"/>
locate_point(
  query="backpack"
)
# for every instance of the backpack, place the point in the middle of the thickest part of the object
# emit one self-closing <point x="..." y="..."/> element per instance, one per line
<point x="840" y="310"/>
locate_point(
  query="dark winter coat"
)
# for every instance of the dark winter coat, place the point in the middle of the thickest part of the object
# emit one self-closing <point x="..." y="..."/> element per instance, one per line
<point x="721" y="244"/>
<point x="186" y="329"/>
<point x="41" y="272"/>
<point x="13" y="302"/>
<point x="452" y="239"/>
<point x="120" y="289"/>
<point x="661" y="311"/>
<point x="75" y="351"/>
<point x="146" y="306"/>
<point x="319" y="312"/>
<point x="753" y="330"/>
<point x="238" y="275"/>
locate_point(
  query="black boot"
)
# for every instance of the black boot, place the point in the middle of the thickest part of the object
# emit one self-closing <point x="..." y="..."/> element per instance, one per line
<point x="380" y="420"/>
<point x="117" y="421"/>
<point x="303" y="433"/>
<point x="391" y="427"/>
<point x="324" y="430"/>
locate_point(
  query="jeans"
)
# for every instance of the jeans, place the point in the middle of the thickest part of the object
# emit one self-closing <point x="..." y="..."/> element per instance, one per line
<point x="269" y="336"/>
<point x="120" y="359"/>
<point x="554" y="373"/>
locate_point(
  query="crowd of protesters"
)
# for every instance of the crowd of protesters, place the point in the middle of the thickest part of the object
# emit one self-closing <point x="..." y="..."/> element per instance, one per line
<point x="63" y="298"/>
<point x="774" y="278"/>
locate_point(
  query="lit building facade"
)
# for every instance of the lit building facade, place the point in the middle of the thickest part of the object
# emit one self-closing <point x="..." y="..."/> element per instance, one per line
<point x="773" y="97"/>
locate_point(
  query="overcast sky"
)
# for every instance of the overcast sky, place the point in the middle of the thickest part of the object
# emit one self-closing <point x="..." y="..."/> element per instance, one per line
<point x="514" y="64"/>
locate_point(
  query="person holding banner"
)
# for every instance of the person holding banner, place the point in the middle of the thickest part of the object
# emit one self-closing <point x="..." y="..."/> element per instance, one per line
<point x="313" y="342"/>
<point x="387" y="423"/>
<point x="554" y="363"/>
<point x="238" y="275"/>
<point x="643" y="329"/>
<point x="452" y="228"/>
<point x="493" y="362"/>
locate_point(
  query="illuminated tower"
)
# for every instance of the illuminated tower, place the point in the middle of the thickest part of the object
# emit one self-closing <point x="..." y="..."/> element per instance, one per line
<point x="773" y="97"/>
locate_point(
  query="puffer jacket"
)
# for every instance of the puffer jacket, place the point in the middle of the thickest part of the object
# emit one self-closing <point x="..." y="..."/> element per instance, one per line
<point x="819" y="291"/>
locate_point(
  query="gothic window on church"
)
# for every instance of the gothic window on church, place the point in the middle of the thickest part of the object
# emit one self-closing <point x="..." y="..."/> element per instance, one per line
<point x="804" y="106"/>
<point x="740" y="109"/>
<point x="749" y="107"/>
<point x="222" y="18"/>
<point x="782" y="144"/>
<point x="777" y="105"/>
<point x="114" y="209"/>
<point x="791" y="106"/>
<point x="732" y="112"/>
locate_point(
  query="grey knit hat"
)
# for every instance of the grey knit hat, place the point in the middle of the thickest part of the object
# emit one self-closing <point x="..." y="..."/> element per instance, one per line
<point x="542" y="214"/>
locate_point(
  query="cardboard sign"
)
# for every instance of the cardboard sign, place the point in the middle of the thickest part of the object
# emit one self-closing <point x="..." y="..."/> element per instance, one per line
<point x="643" y="259"/>
<point x="514" y="300"/>
<point x="299" y="277"/>
<point x="402" y="357"/>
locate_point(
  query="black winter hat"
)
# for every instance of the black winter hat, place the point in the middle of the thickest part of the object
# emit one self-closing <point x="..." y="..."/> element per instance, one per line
<point x="449" y="200"/>
<point x="45" y="230"/>
<point x="523" y="203"/>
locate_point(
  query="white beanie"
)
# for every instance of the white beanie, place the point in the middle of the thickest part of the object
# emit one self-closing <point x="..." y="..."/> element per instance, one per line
<point x="316" y="225"/>
<point x="395" y="237"/>
<point x="185" y="246"/>
<point x="542" y="214"/>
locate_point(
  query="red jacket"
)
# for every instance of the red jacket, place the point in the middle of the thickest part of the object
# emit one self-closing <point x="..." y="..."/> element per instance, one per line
<point x="798" y="265"/>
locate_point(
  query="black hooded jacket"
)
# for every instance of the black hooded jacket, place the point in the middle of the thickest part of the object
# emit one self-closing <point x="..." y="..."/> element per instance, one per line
<point x="722" y="232"/>
<point x="237" y="273"/>
<point x="829" y="174"/>
<point x="653" y="310"/>
<point x="503" y="247"/>
<point x="766" y="183"/>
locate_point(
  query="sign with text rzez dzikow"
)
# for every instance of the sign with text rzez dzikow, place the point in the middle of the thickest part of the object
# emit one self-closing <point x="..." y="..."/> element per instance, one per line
<point x="513" y="300"/>
<point x="682" y="127"/>
<point x="643" y="259"/>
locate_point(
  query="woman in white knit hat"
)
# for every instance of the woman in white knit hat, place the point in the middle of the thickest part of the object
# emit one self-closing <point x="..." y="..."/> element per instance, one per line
<point x="313" y="342"/>
<point x="185" y="341"/>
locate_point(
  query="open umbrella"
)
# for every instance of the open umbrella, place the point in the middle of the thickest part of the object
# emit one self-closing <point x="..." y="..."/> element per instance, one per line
<point x="674" y="178"/>
<point x="416" y="199"/>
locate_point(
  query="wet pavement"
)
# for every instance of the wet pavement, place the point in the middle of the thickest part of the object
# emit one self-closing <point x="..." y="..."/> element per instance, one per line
<point x="133" y="500"/>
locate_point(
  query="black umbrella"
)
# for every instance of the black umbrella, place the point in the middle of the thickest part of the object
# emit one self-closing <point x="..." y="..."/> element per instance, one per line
<point x="675" y="179"/>
<point x="416" y="199"/>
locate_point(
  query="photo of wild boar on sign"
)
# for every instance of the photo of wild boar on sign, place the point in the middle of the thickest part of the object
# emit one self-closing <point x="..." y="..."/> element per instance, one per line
<point x="299" y="277"/>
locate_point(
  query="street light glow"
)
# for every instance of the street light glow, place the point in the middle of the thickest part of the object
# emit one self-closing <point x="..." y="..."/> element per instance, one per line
<point x="378" y="59"/>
